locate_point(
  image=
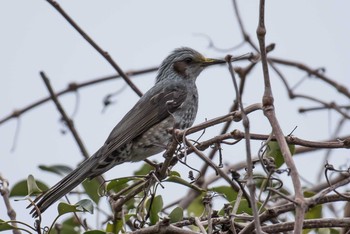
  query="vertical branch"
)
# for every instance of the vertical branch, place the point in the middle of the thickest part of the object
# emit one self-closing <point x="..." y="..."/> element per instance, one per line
<point x="4" y="191"/>
<point x="261" y="32"/>
<point x="246" y="125"/>
<point x="269" y="112"/>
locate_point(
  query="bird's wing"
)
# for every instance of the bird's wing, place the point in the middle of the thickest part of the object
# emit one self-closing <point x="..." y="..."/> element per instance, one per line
<point x="148" y="111"/>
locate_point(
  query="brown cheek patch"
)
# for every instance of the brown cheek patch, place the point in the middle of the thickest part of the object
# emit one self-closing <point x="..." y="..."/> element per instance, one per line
<point x="180" y="68"/>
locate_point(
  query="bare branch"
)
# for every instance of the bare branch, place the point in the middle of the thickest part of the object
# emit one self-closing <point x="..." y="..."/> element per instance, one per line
<point x="94" y="44"/>
<point x="73" y="87"/>
<point x="269" y="112"/>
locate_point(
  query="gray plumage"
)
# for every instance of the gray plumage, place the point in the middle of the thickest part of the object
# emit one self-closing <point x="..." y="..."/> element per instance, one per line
<point x="143" y="131"/>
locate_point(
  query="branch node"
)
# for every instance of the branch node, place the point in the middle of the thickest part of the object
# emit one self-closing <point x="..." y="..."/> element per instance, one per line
<point x="267" y="101"/>
<point x="73" y="86"/>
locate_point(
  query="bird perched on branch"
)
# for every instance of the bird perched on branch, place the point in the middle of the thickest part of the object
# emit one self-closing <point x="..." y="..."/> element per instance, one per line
<point x="144" y="131"/>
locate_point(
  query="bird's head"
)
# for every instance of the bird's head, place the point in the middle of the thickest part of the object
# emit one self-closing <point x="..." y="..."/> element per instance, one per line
<point x="185" y="63"/>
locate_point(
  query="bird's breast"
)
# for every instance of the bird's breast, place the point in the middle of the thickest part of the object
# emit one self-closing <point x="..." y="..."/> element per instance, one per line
<point x="153" y="141"/>
<point x="157" y="137"/>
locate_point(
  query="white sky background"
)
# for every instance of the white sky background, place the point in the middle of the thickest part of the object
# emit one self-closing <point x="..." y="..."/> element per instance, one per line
<point x="140" y="34"/>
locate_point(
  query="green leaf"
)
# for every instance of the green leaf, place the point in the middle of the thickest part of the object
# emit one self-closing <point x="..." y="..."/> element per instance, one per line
<point x="227" y="191"/>
<point x="95" y="232"/>
<point x="308" y="193"/>
<point x="322" y="231"/>
<point x="118" y="184"/>
<point x="243" y="207"/>
<point x="179" y="180"/>
<point x="115" y="227"/>
<point x="69" y="226"/>
<point x="81" y="206"/>
<point x="328" y="231"/>
<point x="274" y="151"/>
<point x="130" y="204"/>
<point x="196" y="207"/>
<point x="33" y="188"/>
<point x="85" y="205"/>
<point x="57" y="169"/>
<point x="314" y="212"/>
<point x="176" y="215"/>
<point x="110" y="228"/>
<point x="91" y="188"/>
<point x="156" y="206"/>
<point x="144" y="170"/>
<point x="64" y="208"/>
<point x="174" y="173"/>
<point x="5" y="226"/>
<point x="306" y="230"/>
<point x="118" y="226"/>
<point x="20" y="189"/>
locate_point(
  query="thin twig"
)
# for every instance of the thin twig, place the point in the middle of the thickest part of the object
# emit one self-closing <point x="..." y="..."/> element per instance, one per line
<point x="73" y="87"/>
<point x="250" y="180"/>
<point x="244" y="33"/>
<point x="94" y="44"/>
<point x="65" y="117"/>
<point x="315" y="72"/>
<point x="5" y="192"/>
<point x="69" y="122"/>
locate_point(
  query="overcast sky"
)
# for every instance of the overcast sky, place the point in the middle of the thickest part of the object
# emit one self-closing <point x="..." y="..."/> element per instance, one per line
<point x="140" y="34"/>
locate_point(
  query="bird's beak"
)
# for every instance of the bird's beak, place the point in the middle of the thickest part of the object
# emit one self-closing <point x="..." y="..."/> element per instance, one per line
<point x="209" y="61"/>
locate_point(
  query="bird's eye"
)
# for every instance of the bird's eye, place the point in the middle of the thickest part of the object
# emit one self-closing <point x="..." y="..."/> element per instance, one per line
<point x="188" y="60"/>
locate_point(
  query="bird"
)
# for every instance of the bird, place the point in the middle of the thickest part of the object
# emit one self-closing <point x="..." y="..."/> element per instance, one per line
<point x="144" y="131"/>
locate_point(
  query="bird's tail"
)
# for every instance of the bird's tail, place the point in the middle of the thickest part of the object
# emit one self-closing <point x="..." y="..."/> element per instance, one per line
<point x="64" y="186"/>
